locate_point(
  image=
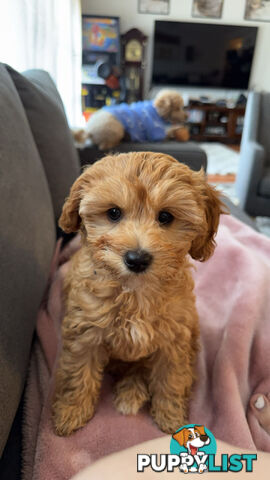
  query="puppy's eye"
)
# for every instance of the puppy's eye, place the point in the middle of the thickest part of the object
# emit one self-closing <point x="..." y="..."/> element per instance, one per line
<point x="114" y="214"/>
<point x="165" y="217"/>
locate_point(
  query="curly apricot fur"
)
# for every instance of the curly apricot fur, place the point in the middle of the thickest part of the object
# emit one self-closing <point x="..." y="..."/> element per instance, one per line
<point x="146" y="322"/>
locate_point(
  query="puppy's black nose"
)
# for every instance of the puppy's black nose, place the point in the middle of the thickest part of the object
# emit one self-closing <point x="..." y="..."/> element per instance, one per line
<point x="137" y="260"/>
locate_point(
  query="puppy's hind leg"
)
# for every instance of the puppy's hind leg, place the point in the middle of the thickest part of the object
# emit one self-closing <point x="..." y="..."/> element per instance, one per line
<point x="114" y="136"/>
<point x="131" y="392"/>
<point x="105" y="130"/>
<point x="107" y="145"/>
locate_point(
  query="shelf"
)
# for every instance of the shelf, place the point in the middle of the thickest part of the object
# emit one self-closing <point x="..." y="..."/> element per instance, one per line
<point x="221" y="138"/>
<point x="229" y="128"/>
<point x="217" y="108"/>
<point x="216" y="124"/>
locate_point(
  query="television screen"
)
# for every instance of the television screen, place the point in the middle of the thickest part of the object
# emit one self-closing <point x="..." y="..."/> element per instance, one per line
<point x="202" y="55"/>
<point x="100" y="34"/>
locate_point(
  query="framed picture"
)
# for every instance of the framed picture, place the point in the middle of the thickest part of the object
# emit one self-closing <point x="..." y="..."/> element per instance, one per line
<point x="258" y="10"/>
<point x="100" y="34"/>
<point x="207" y="8"/>
<point x="101" y="47"/>
<point x="158" y="7"/>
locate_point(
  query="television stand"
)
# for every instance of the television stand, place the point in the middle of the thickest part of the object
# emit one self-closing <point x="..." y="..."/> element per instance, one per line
<point x="211" y="122"/>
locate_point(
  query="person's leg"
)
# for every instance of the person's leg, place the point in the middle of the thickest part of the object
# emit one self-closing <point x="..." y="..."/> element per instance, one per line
<point x="260" y="405"/>
<point x="123" y="465"/>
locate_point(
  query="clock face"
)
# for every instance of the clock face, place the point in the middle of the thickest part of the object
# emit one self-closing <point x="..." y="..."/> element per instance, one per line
<point x="133" y="51"/>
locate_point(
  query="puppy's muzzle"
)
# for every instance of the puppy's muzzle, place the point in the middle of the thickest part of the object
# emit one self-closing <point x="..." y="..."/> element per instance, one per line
<point x="137" y="260"/>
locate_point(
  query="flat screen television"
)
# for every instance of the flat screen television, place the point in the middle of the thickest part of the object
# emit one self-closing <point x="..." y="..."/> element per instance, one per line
<point x="203" y="55"/>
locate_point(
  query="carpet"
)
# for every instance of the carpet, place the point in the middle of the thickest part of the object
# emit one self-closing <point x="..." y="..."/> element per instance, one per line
<point x="221" y="160"/>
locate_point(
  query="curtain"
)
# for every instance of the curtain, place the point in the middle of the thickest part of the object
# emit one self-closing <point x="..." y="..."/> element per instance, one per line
<point x="46" y="34"/>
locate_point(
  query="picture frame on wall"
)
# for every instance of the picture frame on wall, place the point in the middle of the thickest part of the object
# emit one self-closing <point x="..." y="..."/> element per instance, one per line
<point x="155" y="7"/>
<point x="207" y="8"/>
<point x="257" y="10"/>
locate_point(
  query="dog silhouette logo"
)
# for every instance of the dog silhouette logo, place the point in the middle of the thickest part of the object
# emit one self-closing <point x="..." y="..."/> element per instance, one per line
<point x="193" y="443"/>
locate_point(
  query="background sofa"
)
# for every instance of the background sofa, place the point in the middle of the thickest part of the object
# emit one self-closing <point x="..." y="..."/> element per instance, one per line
<point x="253" y="177"/>
<point x="38" y="164"/>
<point x="189" y="153"/>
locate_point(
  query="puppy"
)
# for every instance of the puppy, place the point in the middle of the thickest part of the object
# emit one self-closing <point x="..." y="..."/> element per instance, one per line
<point x="129" y="290"/>
<point x="142" y="121"/>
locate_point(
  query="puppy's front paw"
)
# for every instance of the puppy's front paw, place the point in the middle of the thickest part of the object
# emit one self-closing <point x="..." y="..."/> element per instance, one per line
<point x="69" y="418"/>
<point x="130" y="395"/>
<point x="167" y="416"/>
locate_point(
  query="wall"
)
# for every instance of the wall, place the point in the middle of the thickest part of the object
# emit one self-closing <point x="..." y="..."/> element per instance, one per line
<point x="233" y="13"/>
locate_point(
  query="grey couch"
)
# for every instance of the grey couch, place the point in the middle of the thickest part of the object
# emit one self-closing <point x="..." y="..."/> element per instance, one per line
<point x="38" y="164"/>
<point x="253" y="177"/>
<point x="189" y="153"/>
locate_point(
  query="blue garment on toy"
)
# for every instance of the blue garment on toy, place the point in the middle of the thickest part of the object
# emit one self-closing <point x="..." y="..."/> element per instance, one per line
<point x="140" y="120"/>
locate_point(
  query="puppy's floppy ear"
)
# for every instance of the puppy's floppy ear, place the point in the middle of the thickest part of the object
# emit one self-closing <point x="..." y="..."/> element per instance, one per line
<point x="180" y="437"/>
<point x="70" y="220"/>
<point x="204" y="244"/>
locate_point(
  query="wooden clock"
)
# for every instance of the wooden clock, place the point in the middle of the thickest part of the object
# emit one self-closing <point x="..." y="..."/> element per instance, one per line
<point x="133" y="49"/>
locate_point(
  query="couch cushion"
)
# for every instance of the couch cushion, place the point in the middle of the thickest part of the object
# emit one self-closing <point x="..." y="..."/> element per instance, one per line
<point x="47" y="120"/>
<point x="264" y="185"/>
<point x="27" y="241"/>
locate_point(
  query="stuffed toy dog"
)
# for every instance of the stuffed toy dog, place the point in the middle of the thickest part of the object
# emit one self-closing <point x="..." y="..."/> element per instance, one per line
<point x="145" y="121"/>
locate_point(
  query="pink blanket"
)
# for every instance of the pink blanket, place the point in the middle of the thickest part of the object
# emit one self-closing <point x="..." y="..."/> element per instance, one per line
<point x="233" y="300"/>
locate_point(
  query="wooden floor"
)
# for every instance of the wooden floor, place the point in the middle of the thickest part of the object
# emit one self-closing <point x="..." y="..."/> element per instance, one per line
<point x="236" y="148"/>
<point x="215" y="178"/>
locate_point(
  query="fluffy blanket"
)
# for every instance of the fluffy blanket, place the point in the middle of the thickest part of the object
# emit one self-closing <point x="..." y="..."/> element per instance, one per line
<point x="233" y="300"/>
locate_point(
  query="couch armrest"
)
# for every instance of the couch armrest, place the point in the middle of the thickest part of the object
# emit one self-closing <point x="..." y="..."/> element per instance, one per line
<point x="250" y="171"/>
<point x="252" y="114"/>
